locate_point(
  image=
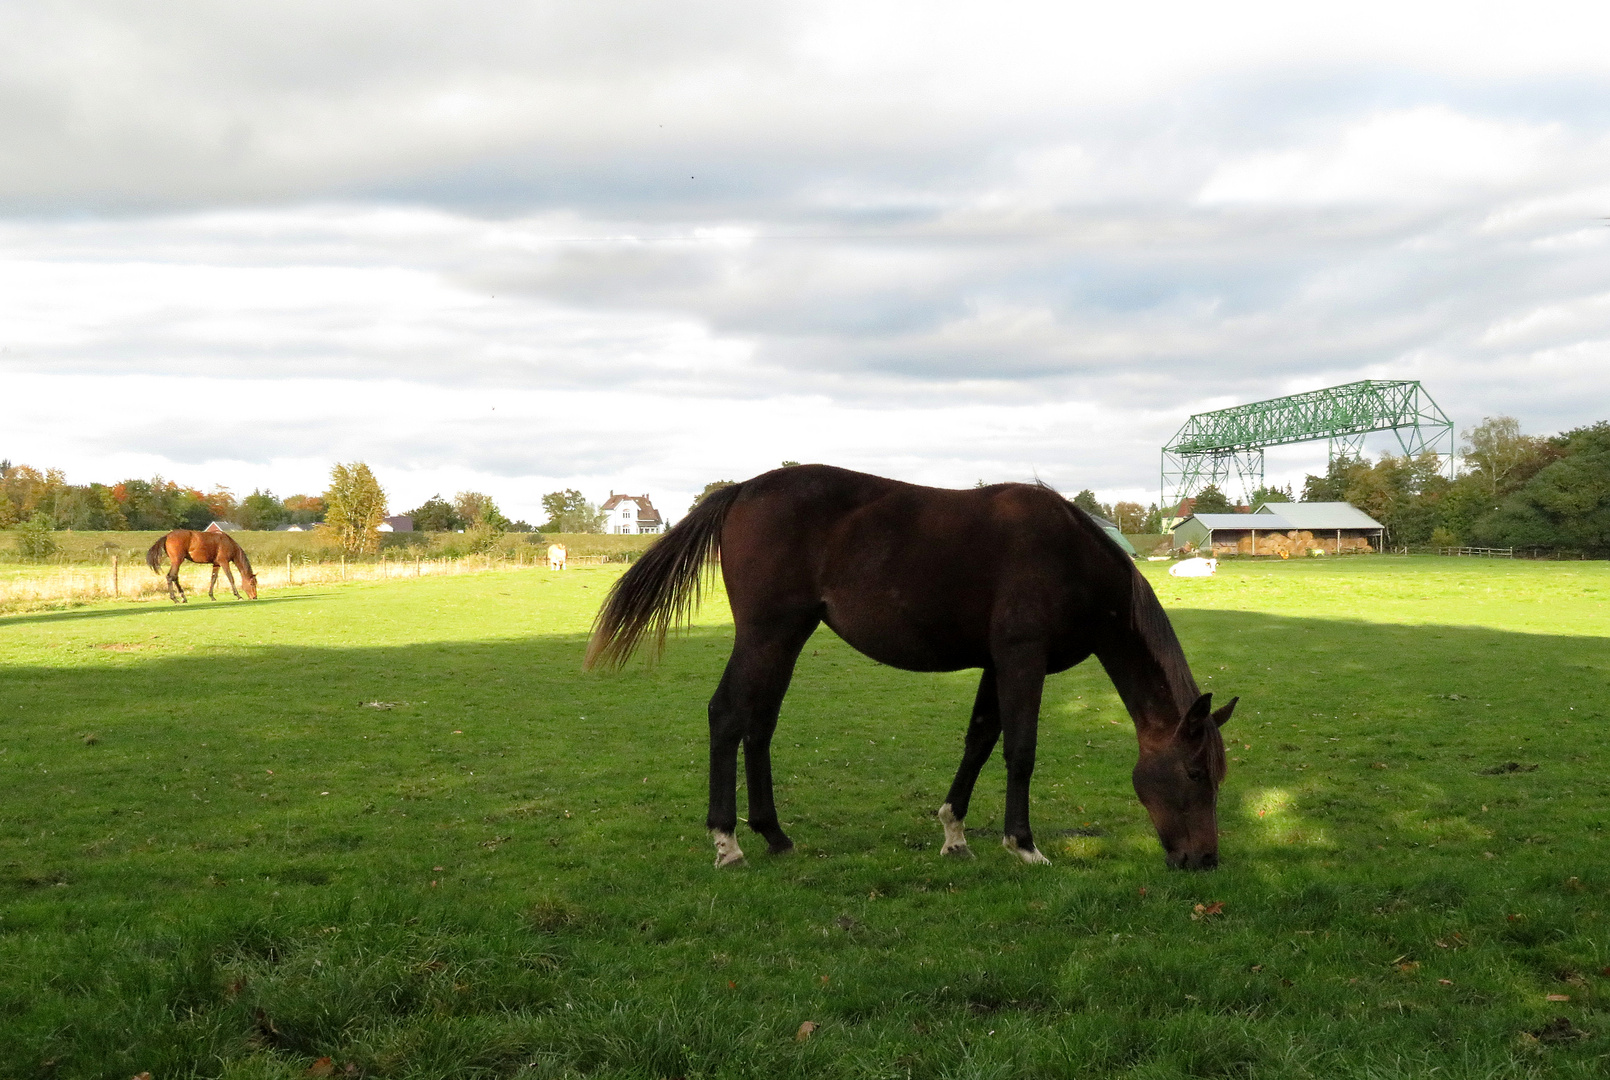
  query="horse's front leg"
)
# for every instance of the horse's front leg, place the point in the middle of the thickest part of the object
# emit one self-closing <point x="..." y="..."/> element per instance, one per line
<point x="213" y="584"/>
<point x="230" y="574"/>
<point x="1021" y="677"/>
<point x="744" y="712"/>
<point x="983" y="731"/>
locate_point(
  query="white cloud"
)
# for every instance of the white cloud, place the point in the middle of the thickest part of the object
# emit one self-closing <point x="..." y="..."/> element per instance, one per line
<point x="945" y="241"/>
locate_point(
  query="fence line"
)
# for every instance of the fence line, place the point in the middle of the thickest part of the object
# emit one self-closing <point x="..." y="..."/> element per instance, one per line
<point x="128" y="582"/>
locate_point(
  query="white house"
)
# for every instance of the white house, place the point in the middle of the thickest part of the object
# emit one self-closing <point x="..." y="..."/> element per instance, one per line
<point x="631" y="514"/>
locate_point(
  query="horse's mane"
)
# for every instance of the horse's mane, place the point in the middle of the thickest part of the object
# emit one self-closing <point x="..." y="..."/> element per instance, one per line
<point x="245" y="561"/>
<point x="1146" y="615"/>
<point x="1151" y="623"/>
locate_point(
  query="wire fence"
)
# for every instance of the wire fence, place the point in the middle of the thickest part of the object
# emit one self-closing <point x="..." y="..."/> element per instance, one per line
<point x="24" y="589"/>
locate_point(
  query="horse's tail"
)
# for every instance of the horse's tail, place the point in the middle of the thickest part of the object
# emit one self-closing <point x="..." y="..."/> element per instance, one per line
<point x="153" y="555"/>
<point x="662" y="588"/>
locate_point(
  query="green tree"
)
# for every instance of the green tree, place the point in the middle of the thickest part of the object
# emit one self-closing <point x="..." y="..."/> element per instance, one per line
<point x="1265" y="494"/>
<point x="1210" y="500"/>
<point x="479" y="511"/>
<point x="1154" y="520"/>
<point x="34" y="539"/>
<point x="1500" y="458"/>
<point x="1086" y="501"/>
<point x="569" y="512"/>
<point x="1566" y="505"/>
<point x="355" y="504"/>
<point x="436" y="514"/>
<point x="709" y="489"/>
<point x="260" y="510"/>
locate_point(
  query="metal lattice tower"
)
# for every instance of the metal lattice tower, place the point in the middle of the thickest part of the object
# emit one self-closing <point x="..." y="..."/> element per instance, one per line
<point x="1214" y="446"/>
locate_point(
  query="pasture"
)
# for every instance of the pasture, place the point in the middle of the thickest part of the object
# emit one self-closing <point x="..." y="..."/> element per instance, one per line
<point x="391" y="824"/>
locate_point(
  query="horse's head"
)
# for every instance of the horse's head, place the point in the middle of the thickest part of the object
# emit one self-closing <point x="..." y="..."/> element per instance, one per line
<point x="1177" y="779"/>
<point x="248" y="581"/>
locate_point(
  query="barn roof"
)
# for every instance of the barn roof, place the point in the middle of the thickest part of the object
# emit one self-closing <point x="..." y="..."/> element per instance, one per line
<point x="1217" y="522"/>
<point x="1318" y="515"/>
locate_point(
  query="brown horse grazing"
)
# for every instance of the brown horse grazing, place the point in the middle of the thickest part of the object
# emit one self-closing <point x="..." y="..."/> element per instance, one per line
<point x="1013" y="579"/>
<point x="217" y="548"/>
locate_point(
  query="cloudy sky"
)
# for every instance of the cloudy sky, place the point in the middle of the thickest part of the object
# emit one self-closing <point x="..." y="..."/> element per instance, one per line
<point x="623" y="246"/>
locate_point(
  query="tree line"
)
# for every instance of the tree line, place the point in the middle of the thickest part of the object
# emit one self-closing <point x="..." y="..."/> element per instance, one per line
<point x="1544" y="494"/>
<point x="349" y="509"/>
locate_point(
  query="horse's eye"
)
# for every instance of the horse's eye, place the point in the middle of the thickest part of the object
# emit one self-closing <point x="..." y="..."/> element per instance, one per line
<point x="1197" y="775"/>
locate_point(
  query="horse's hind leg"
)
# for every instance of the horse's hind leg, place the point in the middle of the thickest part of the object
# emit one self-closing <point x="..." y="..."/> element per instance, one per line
<point x="982" y="732"/>
<point x="744" y="711"/>
<point x="175" y="584"/>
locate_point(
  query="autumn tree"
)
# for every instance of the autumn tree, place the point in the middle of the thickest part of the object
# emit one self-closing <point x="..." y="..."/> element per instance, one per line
<point x="355" y="504"/>
<point x="1129" y="517"/>
<point x="304" y="509"/>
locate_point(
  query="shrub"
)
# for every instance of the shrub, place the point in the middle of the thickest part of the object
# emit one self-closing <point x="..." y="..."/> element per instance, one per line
<point x="35" y="539"/>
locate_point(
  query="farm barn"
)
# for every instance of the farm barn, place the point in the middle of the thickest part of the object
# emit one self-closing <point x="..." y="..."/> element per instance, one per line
<point x="1283" y="528"/>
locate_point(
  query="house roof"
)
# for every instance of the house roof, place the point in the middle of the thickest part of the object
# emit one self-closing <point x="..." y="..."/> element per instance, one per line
<point x="1319" y="515"/>
<point x="645" y="509"/>
<point x="223" y="527"/>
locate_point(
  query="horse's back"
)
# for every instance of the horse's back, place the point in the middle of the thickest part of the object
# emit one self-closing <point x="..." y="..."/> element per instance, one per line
<point x="917" y="577"/>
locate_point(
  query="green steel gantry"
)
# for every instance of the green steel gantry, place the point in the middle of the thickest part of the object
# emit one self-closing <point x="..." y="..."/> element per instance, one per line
<point x="1213" y="446"/>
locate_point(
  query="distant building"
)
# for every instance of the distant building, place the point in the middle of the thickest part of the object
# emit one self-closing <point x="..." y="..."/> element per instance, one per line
<point x="630" y="515"/>
<point x="1283" y="528"/>
<point x="396" y="523"/>
<point x="223" y="527"/>
<point x="290" y="526"/>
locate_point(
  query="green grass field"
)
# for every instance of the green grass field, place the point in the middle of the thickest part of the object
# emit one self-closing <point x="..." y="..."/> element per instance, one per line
<point x="393" y="825"/>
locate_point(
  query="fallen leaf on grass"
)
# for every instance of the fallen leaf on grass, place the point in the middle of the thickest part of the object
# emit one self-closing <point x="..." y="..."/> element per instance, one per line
<point x="1444" y="982"/>
<point x="142" y="1076"/>
<point x="1556" y="997"/>
<point x="1408" y="967"/>
<point x="1207" y="911"/>
<point x="805" y="1030"/>
<point x="380" y="705"/>
<point x="322" y="1067"/>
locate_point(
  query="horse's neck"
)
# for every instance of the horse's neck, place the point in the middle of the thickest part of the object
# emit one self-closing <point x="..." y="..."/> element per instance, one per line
<point x="1152" y="678"/>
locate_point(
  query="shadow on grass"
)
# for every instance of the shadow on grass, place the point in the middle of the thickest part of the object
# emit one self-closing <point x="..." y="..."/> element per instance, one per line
<point x="148" y="607"/>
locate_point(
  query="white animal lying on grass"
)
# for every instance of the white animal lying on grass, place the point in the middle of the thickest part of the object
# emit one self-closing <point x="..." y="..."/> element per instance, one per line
<point x="1195" y="568"/>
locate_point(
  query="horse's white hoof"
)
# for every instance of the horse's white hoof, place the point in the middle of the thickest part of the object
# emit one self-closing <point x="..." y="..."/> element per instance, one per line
<point x="727" y="851"/>
<point x="1032" y="856"/>
<point x="955" y="836"/>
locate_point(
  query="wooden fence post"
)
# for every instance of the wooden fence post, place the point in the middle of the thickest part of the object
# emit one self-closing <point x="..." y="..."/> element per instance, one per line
<point x="115" y="590"/>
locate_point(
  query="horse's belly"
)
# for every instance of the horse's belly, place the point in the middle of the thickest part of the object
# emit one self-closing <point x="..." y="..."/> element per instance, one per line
<point x="899" y="640"/>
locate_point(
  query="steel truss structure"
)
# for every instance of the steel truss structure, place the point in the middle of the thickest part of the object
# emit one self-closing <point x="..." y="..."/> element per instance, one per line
<point x="1213" y="447"/>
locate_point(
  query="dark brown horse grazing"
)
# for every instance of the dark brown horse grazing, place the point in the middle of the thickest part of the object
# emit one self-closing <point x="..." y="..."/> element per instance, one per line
<point x="217" y="548"/>
<point x="1013" y="579"/>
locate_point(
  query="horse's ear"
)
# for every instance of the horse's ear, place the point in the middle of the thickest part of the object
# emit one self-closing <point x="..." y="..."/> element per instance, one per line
<point x="1191" y="723"/>
<point x="1222" y="716"/>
